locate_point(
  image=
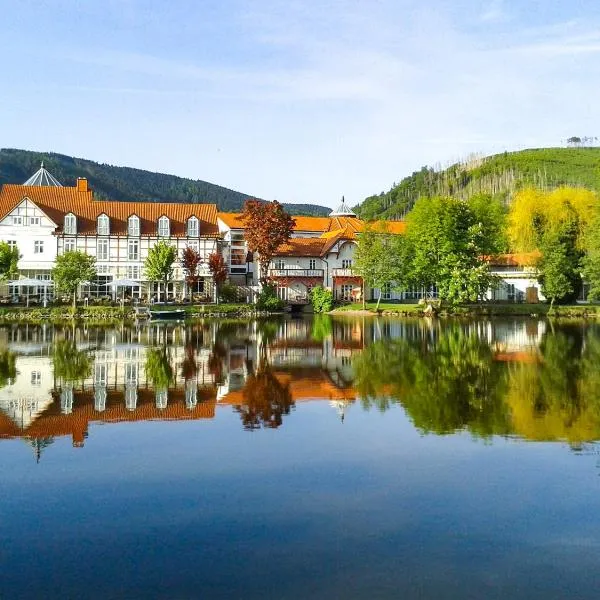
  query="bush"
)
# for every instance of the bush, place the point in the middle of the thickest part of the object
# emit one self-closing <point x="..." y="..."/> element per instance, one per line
<point x="321" y="299"/>
<point x="229" y="293"/>
<point x="268" y="299"/>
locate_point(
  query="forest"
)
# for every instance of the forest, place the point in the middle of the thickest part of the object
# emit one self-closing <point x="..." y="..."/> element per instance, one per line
<point x="124" y="183"/>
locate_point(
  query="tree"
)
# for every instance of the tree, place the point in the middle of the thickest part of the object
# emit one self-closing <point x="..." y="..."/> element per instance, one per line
<point x="70" y="364"/>
<point x="190" y="261"/>
<point x="591" y="260"/>
<point x="447" y="243"/>
<point x="267" y="226"/>
<point x="71" y="270"/>
<point x="9" y="257"/>
<point x="159" y="264"/>
<point x="218" y="270"/>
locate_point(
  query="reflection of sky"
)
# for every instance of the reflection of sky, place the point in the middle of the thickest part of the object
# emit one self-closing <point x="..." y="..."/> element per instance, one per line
<point x="315" y="509"/>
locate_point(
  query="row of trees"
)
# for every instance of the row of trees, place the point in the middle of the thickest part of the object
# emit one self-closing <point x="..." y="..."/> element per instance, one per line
<point x="448" y="243"/>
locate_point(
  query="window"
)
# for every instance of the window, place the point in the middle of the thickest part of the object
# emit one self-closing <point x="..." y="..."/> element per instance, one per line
<point x="280" y="264"/>
<point x="194" y="245"/>
<point x="103" y="225"/>
<point x="193" y="227"/>
<point x="36" y="378"/>
<point x="133" y="250"/>
<point x="100" y="398"/>
<point x="312" y="264"/>
<point x="130" y="396"/>
<point x="12" y="244"/>
<point x="34" y="220"/>
<point x="69" y="245"/>
<point x="102" y="250"/>
<point x="386" y="291"/>
<point x="164" y="227"/>
<point x="133" y="226"/>
<point x="38" y="247"/>
<point x="346" y="263"/>
<point x="133" y="272"/>
<point x="70" y="224"/>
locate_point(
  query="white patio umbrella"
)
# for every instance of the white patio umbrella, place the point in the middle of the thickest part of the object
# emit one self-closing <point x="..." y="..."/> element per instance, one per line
<point x="28" y="282"/>
<point x="122" y="283"/>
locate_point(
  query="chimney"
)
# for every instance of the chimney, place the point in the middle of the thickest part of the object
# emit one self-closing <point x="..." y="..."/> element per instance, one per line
<point x="82" y="184"/>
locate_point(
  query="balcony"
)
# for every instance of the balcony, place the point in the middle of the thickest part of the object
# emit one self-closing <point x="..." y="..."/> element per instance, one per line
<point x="344" y="273"/>
<point x="296" y="273"/>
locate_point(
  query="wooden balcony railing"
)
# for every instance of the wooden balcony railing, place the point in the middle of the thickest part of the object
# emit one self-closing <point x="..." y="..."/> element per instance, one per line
<point x="296" y="272"/>
<point x="344" y="273"/>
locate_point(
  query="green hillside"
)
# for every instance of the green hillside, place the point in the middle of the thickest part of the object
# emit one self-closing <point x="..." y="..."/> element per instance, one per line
<point x="501" y="174"/>
<point x="124" y="183"/>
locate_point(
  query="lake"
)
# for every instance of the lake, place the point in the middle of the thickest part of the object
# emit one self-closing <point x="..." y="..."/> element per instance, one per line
<point x="301" y="458"/>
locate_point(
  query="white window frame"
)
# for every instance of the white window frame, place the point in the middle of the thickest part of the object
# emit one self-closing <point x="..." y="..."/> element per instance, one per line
<point x="38" y="247"/>
<point x="103" y="224"/>
<point x="34" y="221"/>
<point x="193" y="227"/>
<point x="312" y="264"/>
<point x="164" y="227"/>
<point x="133" y="244"/>
<point x="279" y="264"/>
<point x="346" y="263"/>
<point x="70" y="224"/>
<point x="70" y="244"/>
<point x="102" y="244"/>
<point x="133" y="226"/>
<point x="17" y="220"/>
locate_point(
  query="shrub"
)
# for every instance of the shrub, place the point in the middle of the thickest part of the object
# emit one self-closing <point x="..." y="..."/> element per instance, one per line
<point x="228" y="293"/>
<point x="321" y="299"/>
<point x="268" y="299"/>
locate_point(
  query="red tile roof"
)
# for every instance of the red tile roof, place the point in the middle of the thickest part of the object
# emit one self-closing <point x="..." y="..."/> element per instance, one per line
<point x="56" y="202"/>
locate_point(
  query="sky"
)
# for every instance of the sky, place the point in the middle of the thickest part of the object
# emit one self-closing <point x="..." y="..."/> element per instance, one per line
<point x="297" y="100"/>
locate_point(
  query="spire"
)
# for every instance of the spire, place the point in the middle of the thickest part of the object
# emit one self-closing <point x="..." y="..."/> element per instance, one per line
<point x="44" y="178"/>
<point x="343" y="210"/>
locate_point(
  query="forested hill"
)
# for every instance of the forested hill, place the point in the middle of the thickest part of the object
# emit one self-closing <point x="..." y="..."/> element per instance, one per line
<point x="501" y="174"/>
<point x="125" y="183"/>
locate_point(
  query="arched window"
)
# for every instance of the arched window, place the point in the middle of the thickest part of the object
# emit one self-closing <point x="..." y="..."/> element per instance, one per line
<point x="70" y="224"/>
<point x="103" y="225"/>
<point x="193" y="229"/>
<point x="164" y="227"/>
<point x="133" y="226"/>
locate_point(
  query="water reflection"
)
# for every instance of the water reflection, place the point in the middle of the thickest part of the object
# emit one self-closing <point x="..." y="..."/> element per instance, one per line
<point x="518" y="377"/>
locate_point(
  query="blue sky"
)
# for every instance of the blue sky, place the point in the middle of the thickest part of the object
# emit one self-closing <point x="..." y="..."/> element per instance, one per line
<point x="301" y="101"/>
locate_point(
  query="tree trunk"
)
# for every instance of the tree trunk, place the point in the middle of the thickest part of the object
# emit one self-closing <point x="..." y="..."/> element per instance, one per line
<point x="551" y="304"/>
<point x="364" y="291"/>
<point x="74" y="299"/>
<point x="378" y="301"/>
<point x="216" y="293"/>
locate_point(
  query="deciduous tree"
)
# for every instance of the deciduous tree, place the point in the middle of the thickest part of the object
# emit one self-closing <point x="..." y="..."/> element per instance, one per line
<point x="71" y="270"/>
<point x="190" y="261"/>
<point x="218" y="270"/>
<point x="9" y="257"/>
<point x="267" y="226"/>
<point x="159" y="263"/>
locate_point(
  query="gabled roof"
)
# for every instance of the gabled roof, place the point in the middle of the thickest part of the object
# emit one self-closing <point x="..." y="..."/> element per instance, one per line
<point x="56" y="202"/>
<point x="232" y="220"/>
<point x="301" y="247"/>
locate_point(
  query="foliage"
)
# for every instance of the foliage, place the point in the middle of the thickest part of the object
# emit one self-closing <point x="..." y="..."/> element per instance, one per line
<point x="492" y="214"/>
<point x="228" y="292"/>
<point x="71" y="269"/>
<point x="159" y="263"/>
<point x="158" y="368"/>
<point x="9" y="257"/>
<point x="70" y="364"/>
<point x="8" y="369"/>
<point x="446" y="245"/>
<point x="268" y="300"/>
<point x="127" y="184"/>
<point x="321" y="299"/>
<point x="500" y="176"/>
<point x="217" y="268"/>
<point x="591" y="260"/>
<point x="266" y="400"/>
<point x="267" y="227"/>
<point x="321" y="328"/>
<point x="190" y="261"/>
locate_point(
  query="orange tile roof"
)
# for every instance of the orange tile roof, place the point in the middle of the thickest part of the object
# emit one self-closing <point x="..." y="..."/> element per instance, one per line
<point x="301" y="247"/>
<point x="233" y="220"/>
<point x="56" y="202"/>
<point x="523" y="259"/>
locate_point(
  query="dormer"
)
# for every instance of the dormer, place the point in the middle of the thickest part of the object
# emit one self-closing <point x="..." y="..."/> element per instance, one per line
<point x="133" y="226"/>
<point x="193" y="227"/>
<point x="103" y="225"/>
<point x="70" y="224"/>
<point x="164" y="227"/>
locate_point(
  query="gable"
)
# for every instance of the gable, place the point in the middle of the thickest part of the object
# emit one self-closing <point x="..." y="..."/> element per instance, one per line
<point x="27" y="214"/>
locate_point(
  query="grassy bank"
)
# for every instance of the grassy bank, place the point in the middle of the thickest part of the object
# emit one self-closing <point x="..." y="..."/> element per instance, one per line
<point x="487" y="309"/>
<point x="108" y="315"/>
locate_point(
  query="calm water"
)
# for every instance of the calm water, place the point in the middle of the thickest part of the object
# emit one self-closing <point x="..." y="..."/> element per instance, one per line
<point x="316" y="458"/>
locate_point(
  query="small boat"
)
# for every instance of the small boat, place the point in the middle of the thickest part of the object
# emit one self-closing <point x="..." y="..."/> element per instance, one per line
<point x="167" y="315"/>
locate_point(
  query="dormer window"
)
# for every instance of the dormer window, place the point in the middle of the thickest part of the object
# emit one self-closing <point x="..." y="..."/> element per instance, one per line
<point x="164" y="227"/>
<point x="193" y="227"/>
<point x="133" y="226"/>
<point x="103" y="225"/>
<point x="70" y="226"/>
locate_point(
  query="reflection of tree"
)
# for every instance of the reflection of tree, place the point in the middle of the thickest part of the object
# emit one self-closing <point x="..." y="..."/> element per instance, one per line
<point x="266" y="400"/>
<point x="70" y="364"/>
<point x="189" y="367"/>
<point x="216" y="360"/>
<point x="443" y="386"/>
<point x="321" y="327"/>
<point x="8" y="369"/>
<point x="158" y="368"/>
<point x="39" y="445"/>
